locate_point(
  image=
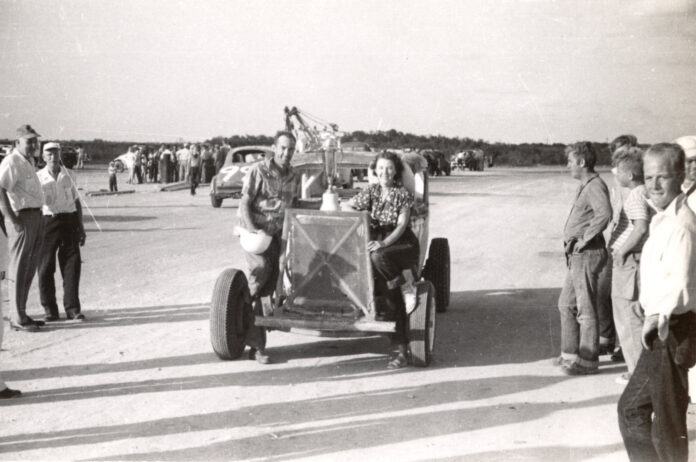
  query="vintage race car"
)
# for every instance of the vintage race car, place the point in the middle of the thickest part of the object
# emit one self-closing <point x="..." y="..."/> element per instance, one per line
<point x="228" y="181"/>
<point x="325" y="283"/>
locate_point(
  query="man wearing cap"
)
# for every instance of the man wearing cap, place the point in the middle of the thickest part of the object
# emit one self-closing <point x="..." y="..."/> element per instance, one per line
<point x="21" y="199"/>
<point x="688" y="144"/>
<point x="64" y="233"/>
<point x="271" y="186"/>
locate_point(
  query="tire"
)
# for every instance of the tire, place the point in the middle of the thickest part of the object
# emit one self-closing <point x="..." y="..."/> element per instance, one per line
<point x="230" y="314"/>
<point x="118" y="165"/>
<point x="437" y="271"/>
<point x="216" y="201"/>
<point x="421" y="326"/>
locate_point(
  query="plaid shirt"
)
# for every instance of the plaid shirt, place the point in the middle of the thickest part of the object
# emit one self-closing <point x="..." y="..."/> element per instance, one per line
<point x="270" y="192"/>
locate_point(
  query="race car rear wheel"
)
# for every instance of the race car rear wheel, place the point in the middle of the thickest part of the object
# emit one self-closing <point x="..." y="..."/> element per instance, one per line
<point x="421" y="326"/>
<point x="437" y="271"/>
<point x="230" y="314"/>
<point x="118" y="165"/>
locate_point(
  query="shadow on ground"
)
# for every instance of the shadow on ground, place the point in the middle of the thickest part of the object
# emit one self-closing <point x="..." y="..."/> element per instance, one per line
<point x="326" y="425"/>
<point x="480" y="328"/>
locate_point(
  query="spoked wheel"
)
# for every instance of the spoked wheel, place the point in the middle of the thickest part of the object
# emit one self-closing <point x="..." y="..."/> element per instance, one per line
<point x="437" y="271"/>
<point x="230" y="314"/>
<point x="421" y="326"/>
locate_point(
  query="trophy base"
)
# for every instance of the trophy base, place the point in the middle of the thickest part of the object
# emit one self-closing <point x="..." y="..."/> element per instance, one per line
<point x="329" y="202"/>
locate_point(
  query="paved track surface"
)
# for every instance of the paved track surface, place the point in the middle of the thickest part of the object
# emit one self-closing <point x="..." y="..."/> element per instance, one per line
<point x="139" y="381"/>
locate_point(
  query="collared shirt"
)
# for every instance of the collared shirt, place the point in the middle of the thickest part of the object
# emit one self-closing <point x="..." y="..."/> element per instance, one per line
<point x="591" y="211"/>
<point x="384" y="212"/>
<point x="270" y="192"/>
<point x="668" y="262"/>
<point x="60" y="193"/>
<point x="634" y="207"/>
<point x="18" y="178"/>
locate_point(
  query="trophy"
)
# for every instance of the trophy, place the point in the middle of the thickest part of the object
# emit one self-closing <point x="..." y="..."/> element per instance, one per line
<point x="330" y="156"/>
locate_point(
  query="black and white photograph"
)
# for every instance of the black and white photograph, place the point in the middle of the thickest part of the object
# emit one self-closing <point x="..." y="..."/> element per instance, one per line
<point x="340" y="230"/>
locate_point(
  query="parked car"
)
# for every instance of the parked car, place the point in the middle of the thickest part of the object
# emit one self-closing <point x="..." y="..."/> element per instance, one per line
<point x="124" y="161"/>
<point x="325" y="284"/>
<point x="228" y="181"/>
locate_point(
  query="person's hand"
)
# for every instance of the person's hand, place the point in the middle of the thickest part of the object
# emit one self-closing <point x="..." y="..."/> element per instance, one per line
<point x="17" y="225"/>
<point x="579" y="245"/>
<point x="374" y="245"/>
<point x="620" y="257"/>
<point x="569" y="246"/>
<point x="650" y="327"/>
<point x="82" y="236"/>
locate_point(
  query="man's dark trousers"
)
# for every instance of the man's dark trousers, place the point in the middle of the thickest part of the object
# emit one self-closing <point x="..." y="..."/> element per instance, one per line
<point x="61" y="235"/>
<point x="659" y="386"/>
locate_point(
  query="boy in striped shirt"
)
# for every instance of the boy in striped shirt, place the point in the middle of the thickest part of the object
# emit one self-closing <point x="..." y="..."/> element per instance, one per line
<point x="628" y="235"/>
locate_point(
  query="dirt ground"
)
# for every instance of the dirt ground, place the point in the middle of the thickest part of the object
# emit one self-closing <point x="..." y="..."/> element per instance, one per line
<point x="139" y="381"/>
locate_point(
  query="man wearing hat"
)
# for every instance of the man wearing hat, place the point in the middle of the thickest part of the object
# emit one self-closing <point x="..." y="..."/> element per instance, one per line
<point x="21" y="199"/>
<point x="688" y="144"/>
<point x="64" y="233"/>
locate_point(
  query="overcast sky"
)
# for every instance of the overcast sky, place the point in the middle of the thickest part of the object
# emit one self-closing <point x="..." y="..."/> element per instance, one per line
<point x="510" y="71"/>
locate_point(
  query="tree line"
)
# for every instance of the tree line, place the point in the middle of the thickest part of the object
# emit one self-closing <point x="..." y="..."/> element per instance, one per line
<point x="522" y="155"/>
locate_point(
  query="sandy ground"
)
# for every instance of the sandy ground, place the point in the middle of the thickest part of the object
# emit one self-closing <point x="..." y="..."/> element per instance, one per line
<point x="139" y="381"/>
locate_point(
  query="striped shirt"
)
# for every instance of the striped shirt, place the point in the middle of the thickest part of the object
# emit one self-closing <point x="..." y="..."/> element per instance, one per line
<point x="634" y="207"/>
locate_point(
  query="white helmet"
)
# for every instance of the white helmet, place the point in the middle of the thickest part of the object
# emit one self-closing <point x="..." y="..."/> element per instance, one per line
<point x="255" y="243"/>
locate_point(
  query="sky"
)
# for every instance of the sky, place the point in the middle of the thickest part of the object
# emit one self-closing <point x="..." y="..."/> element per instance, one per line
<point x="498" y="70"/>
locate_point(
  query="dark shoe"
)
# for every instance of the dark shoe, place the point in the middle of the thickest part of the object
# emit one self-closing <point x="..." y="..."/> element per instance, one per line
<point x="398" y="362"/>
<point x="606" y="349"/>
<point x="576" y="369"/>
<point x="9" y="393"/>
<point x="617" y="356"/>
<point x="35" y="322"/>
<point x="51" y="318"/>
<point x="25" y="326"/>
<point x="260" y="356"/>
<point x="77" y="317"/>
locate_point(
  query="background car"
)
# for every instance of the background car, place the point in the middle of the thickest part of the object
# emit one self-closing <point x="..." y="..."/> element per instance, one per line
<point x="228" y="181"/>
<point x="124" y="161"/>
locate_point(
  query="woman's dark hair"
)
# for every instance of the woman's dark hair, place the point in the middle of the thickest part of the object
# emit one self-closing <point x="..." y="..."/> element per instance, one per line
<point x="395" y="159"/>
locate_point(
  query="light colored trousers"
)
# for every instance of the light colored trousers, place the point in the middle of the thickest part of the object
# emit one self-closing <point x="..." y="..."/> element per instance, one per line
<point x="628" y="314"/>
<point x="24" y="249"/>
<point x="2" y="331"/>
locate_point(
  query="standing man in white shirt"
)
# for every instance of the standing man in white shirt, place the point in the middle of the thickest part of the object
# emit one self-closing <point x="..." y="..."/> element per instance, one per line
<point x="182" y="160"/>
<point x="64" y="233"/>
<point x="652" y="408"/>
<point x="20" y="202"/>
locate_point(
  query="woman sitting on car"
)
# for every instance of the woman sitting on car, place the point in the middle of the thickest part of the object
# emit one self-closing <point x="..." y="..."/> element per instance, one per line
<point x="393" y="247"/>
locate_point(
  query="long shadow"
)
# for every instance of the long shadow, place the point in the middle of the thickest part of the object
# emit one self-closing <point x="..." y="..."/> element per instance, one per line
<point x="331" y="436"/>
<point x="327" y="348"/>
<point x="122" y="218"/>
<point x="475" y="194"/>
<point x="319" y="438"/>
<point x="138" y="230"/>
<point x="135" y="316"/>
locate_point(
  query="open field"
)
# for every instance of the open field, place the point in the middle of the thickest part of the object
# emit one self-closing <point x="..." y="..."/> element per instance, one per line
<point x="139" y="381"/>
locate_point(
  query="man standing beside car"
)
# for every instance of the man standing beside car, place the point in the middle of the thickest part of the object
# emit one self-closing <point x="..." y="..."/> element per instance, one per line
<point x="21" y="199"/>
<point x="271" y="186"/>
<point x="64" y="233"/>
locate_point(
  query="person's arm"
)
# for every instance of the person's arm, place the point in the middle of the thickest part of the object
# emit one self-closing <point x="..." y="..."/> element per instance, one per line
<point x="401" y="225"/>
<point x="598" y="198"/>
<point x="640" y="229"/>
<point x="249" y="191"/>
<point x="7" y="211"/>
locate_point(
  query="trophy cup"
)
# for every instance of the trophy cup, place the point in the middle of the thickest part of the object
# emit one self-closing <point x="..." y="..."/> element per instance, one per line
<point x="330" y="156"/>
